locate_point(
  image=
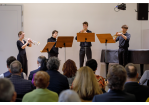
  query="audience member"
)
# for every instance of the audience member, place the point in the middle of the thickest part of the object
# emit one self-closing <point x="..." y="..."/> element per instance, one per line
<point x="92" y="63"/>
<point x="58" y="82"/>
<point x="144" y="80"/>
<point x="85" y="84"/>
<point x="69" y="96"/>
<point x="7" y="74"/>
<point x="7" y="92"/>
<point x="131" y="86"/>
<point x="41" y="93"/>
<point x="116" y="78"/>
<point x="69" y="70"/>
<point x="40" y="62"/>
<point x="21" y="85"/>
<point x="43" y="67"/>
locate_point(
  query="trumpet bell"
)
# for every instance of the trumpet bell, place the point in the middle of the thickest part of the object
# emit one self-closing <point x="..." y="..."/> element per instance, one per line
<point x="36" y="43"/>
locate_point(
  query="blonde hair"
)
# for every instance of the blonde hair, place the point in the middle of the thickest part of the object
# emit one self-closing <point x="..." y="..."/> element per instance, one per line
<point x="85" y="84"/>
<point x="20" y="32"/>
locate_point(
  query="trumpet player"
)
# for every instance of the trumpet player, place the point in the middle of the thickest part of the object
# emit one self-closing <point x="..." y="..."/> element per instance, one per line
<point x="85" y="46"/>
<point x="54" y="50"/>
<point x="21" y="44"/>
<point x="123" y="39"/>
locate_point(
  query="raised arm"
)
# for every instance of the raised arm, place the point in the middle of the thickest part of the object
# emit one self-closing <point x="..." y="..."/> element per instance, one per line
<point x="23" y="47"/>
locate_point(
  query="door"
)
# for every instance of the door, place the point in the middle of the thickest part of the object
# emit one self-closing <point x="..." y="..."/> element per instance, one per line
<point x="10" y="25"/>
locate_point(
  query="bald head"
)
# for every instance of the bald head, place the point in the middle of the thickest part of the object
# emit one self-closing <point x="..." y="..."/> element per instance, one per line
<point x="131" y="70"/>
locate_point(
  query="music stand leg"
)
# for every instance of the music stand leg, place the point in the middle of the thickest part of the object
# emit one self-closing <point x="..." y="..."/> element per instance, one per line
<point x="106" y="57"/>
<point x="85" y="55"/>
<point x="65" y="51"/>
<point x="85" y="52"/>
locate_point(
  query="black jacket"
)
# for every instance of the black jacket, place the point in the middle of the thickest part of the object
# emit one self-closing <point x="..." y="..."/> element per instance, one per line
<point x="58" y="82"/>
<point x="54" y="49"/>
<point x="32" y="73"/>
<point x="114" y="96"/>
<point x="21" y="85"/>
<point x="85" y="44"/>
<point x="141" y="92"/>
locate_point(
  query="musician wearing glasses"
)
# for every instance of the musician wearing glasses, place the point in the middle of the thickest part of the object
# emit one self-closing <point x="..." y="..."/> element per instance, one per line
<point x="123" y="39"/>
<point x="84" y="45"/>
<point x="21" y="44"/>
<point x="54" y="50"/>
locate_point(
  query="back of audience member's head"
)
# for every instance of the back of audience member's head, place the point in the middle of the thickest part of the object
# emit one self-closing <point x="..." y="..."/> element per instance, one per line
<point x="131" y="70"/>
<point x="41" y="79"/>
<point x="53" y="63"/>
<point x="92" y="63"/>
<point x="85" y="83"/>
<point x="69" y="68"/>
<point x="10" y="60"/>
<point x="7" y="91"/>
<point x="116" y="77"/>
<point x="43" y="63"/>
<point x="69" y="96"/>
<point x="15" y="67"/>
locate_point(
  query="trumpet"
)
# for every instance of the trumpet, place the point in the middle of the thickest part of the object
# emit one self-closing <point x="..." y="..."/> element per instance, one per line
<point x="32" y="41"/>
<point x="114" y="36"/>
<point x="84" y="31"/>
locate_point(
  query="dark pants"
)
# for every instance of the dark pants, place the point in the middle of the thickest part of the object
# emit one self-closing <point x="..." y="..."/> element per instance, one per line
<point x="123" y="56"/>
<point x="52" y="55"/>
<point x="82" y="54"/>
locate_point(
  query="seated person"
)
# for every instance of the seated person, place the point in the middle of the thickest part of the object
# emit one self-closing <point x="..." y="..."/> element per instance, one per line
<point x="92" y="63"/>
<point x="116" y="78"/>
<point x="21" y="85"/>
<point x="131" y="86"/>
<point x="69" y="96"/>
<point x="7" y="92"/>
<point x="7" y="74"/>
<point x="43" y="67"/>
<point x="58" y="82"/>
<point x="86" y="85"/>
<point x="41" y="93"/>
<point x="69" y="70"/>
<point x="39" y="63"/>
<point x="144" y="80"/>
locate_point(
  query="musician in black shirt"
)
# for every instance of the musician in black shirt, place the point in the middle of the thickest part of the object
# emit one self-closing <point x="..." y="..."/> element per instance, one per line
<point x="54" y="50"/>
<point x="21" y="44"/>
<point x="123" y="39"/>
<point x="85" y="45"/>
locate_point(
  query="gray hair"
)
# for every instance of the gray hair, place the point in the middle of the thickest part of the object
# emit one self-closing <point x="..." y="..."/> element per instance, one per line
<point x="6" y="90"/>
<point x="41" y="58"/>
<point x="53" y="63"/>
<point x="69" y="96"/>
<point x="15" y="67"/>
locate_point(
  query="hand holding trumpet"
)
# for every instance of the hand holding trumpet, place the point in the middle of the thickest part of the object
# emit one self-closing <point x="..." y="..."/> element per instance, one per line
<point x="29" y="40"/>
<point x="118" y="34"/>
<point x="83" y="31"/>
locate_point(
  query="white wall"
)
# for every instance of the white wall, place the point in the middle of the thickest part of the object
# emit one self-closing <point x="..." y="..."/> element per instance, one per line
<point x="41" y="19"/>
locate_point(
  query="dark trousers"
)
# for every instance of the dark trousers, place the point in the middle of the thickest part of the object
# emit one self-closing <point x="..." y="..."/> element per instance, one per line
<point x="123" y="56"/>
<point x="23" y="60"/>
<point x="82" y="54"/>
<point x="52" y="55"/>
